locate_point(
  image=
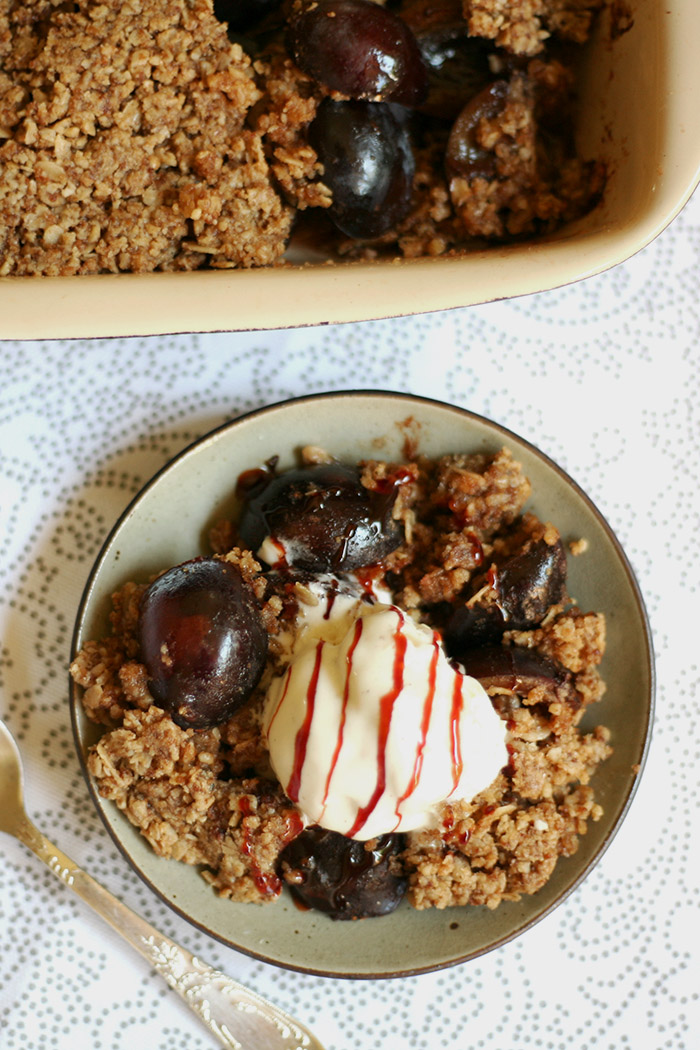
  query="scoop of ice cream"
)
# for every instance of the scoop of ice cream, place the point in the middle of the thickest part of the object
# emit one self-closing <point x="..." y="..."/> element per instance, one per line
<point x="328" y="606"/>
<point x="371" y="728"/>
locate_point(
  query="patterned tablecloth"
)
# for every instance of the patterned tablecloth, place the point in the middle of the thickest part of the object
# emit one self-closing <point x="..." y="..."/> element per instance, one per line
<point x="604" y="377"/>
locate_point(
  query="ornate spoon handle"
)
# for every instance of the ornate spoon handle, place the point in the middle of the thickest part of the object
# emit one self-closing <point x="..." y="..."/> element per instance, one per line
<point x="239" y="1019"/>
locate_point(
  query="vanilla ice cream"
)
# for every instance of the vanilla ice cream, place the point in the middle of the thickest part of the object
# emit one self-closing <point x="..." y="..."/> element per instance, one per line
<point x="371" y="728"/>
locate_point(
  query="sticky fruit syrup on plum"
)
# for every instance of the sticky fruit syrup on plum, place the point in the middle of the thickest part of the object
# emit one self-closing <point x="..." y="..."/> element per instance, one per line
<point x="323" y="516"/>
<point x="202" y="640"/>
<point x="341" y="877"/>
<point x="515" y="595"/>
<point x="358" y="48"/>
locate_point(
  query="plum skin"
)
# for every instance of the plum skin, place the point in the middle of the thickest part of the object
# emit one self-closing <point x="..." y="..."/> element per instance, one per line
<point x="202" y="640"/>
<point x="366" y="152"/>
<point x="360" y="49"/>
<point x="324" y="516"/>
<point x="341" y="877"/>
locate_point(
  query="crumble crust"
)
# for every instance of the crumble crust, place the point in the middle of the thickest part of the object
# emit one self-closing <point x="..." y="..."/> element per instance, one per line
<point x="522" y="26"/>
<point x="126" y="146"/>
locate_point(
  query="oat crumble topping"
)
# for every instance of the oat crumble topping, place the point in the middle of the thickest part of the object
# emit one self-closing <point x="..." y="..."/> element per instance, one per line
<point x="209" y="797"/>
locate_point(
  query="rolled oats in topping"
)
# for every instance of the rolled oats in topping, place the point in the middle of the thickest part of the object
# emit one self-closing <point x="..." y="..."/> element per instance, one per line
<point x="126" y="145"/>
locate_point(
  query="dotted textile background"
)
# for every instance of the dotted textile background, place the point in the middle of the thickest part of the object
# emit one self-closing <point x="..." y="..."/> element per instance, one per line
<point x="605" y="377"/>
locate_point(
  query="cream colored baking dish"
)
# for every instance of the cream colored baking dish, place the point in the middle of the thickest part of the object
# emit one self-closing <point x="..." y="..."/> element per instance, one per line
<point x="639" y="112"/>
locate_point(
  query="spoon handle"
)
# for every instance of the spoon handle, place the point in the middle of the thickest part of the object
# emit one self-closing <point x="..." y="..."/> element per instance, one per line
<point x="239" y="1018"/>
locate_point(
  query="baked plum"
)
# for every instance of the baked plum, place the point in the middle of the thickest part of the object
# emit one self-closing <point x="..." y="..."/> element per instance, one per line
<point x="531" y="581"/>
<point x="465" y="157"/>
<point x="203" y="641"/>
<point x="368" y="164"/>
<point x="515" y="596"/>
<point x="458" y="69"/>
<point x="457" y="64"/>
<point x="343" y="877"/>
<point x="358" y="48"/>
<point x="322" y="517"/>
<point x="512" y="668"/>
<point x="516" y="671"/>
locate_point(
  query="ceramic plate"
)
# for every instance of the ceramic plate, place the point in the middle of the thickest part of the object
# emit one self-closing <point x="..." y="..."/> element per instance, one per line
<point x="167" y="523"/>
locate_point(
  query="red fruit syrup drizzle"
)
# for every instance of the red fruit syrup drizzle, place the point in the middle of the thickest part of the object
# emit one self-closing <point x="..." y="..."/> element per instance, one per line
<point x="455" y="738"/>
<point x="302" y="738"/>
<point x="343" y="712"/>
<point x="425" y="724"/>
<point x="386" y="707"/>
<point x="267" y="882"/>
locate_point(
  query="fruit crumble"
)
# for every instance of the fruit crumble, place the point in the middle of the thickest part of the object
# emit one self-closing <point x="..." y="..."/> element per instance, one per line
<point x="371" y="689"/>
<point x="185" y="134"/>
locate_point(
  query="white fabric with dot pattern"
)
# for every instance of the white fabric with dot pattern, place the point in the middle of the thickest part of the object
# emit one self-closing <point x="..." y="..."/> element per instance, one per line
<point x="605" y="377"/>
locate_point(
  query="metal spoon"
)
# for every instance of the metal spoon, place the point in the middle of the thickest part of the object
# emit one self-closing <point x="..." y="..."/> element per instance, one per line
<point x="240" y="1019"/>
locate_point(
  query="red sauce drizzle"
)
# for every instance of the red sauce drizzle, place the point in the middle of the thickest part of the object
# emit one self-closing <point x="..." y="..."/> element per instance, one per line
<point x="280" y="701"/>
<point x="398" y="476"/>
<point x="462" y="519"/>
<point x="330" y="599"/>
<point x="281" y="562"/>
<point x="343" y="711"/>
<point x="456" y="743"/>
<point x="267" y="882"/>
<point x="367" y="577"/>
<point x="386" y="707"/>
<point x="460" y="837"/>
<point x="477" y="549"/>
<point x="425" y="723"/>
<point x="302" y="737"/>
<point x="293" y="825"/>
